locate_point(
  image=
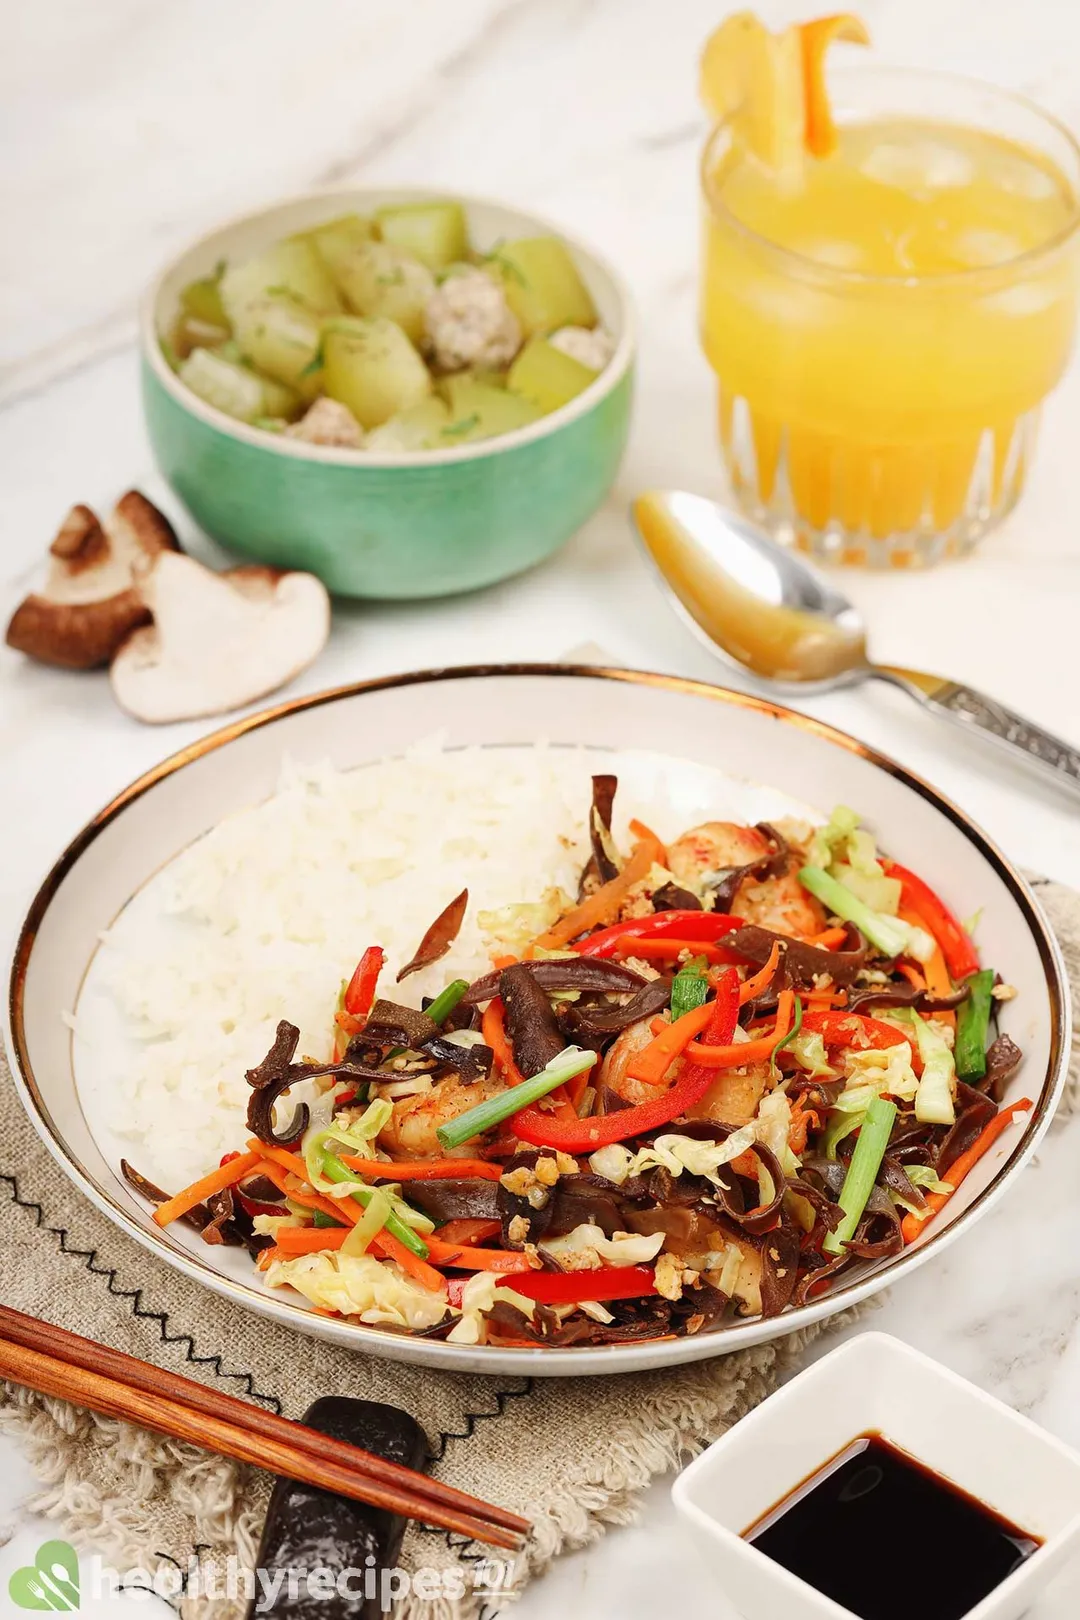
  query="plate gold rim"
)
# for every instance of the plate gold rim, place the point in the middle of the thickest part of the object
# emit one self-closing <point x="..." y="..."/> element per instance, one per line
<point x="529" y="1360"/>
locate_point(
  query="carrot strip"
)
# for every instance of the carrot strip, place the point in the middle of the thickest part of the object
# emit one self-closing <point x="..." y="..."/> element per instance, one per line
<point x="310" y="1239"/>
<point x="911" y="973"/>
<point x="602" y="906"/>
<point x="493" y="1029"/>
<point x="391" y="1248"/>
<point x="419" y="1169"/>
<point x="828" y="939"/>
<point x="278" y="1155"/>
<point x="226" y="1175"/>
<point x="912" y="1225"/>
<point x="265" y="1259"/>
<point x="733" y="1057"/>
<point x="460" y="1255"/>
<point x="652" y="1063"/>
<point x="935" y="971"/>
<point x="803" y="1121"/>
<point x="757" y="982"/>
<point x="344" y="1210"/>
<point x="646" y="834"/>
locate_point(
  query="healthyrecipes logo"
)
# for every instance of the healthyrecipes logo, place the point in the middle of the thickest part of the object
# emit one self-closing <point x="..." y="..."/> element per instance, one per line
<point x="50" y="1582"/>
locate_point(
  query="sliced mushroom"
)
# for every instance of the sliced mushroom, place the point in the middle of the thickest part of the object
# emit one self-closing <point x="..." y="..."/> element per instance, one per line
<point x="91" y="600"/>
<point x="217" y="641"/>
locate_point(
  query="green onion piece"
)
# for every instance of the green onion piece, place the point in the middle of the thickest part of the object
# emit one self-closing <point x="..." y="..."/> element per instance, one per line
<point x="446" y="1001"/>
<point x="486" y="1114"/>
<point x="370" y="1223"/>
<point x="336" y="1171"/>
<point x="889" y="935"/>
<point x="796" y="1025"/>
<point x="688" y="988"/>
<point x="862" y="1171"/>
<point x="973" y="1026"/>
<point x="322" y="1219"/>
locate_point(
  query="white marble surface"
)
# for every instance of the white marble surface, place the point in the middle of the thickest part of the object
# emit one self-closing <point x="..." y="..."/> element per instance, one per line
<point x="129" y="127"/>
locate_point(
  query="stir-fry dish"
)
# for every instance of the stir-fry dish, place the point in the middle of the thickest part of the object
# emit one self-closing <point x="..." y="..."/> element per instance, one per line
<point x="734" y="1068"/>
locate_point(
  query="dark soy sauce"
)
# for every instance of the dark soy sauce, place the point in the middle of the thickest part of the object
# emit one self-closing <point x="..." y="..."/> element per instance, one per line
<point x="886" y="1537"/>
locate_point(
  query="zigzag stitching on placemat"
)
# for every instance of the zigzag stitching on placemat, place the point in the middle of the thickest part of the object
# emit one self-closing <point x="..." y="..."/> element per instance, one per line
<point x="134" y="1296"/>
<point x="456" y="1542"/>
<point x="473" y="1418"/>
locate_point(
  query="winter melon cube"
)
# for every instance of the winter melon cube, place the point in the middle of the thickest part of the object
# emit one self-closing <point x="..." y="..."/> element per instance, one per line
<point x="378" y="279"/>
<point x="546" y="376"/>
<point x="287" y="267"/>
<point x="418" y="428"/>
<point x="338" y="238"/>
<point x="280" y="336"/>
<point x="370" y="366"/>
<point x="434" y="232"/>
<point x="479" y="411"/>
<point x="542" y="284"/>
<point x="201" y="300"/>
<point x="235" y="389"/>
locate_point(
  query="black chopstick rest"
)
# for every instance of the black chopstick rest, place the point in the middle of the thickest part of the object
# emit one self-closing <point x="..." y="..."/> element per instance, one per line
<point x="323" y="1557"/>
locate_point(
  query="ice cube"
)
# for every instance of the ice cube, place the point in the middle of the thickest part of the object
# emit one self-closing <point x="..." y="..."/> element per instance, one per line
<point x="918" y="165"/>
<point x="1020" y="178"/>
<point x="835" y="252"/>
<point x="977" y="247"/>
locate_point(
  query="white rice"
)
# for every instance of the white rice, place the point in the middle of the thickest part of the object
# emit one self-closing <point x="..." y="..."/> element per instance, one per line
<point x="272" y="909"/>
<point x="264" y="917"/>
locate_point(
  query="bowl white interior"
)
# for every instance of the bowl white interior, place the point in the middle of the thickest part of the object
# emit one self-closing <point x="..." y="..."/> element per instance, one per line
<point x="690" y="721"/>
<point x="489" y="223"/>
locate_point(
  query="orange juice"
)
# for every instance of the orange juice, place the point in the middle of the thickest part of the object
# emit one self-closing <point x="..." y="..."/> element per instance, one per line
<point x="885" y="320"/>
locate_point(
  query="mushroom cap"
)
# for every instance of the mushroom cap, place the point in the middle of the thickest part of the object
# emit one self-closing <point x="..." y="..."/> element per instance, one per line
<point x="217" y="641"/>
<point x="91" y="600"/>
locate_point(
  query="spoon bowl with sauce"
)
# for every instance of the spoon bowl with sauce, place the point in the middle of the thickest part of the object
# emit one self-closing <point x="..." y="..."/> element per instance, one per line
<point x="767" y="612"/>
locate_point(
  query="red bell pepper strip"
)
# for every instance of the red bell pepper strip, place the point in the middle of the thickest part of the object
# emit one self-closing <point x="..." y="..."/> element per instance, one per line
<point x="572" y="1287"/>
<point x="470" y="1231"/>
<point x="585" y="1135"/>
<point x="689" y="925"/>
<point x="858" y="1031"/>
<point x="361" y="987"/>
<point x="957" y="948"/>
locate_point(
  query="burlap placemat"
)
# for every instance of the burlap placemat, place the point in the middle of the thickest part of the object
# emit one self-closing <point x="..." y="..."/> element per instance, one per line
<point x="573" y="1454"/>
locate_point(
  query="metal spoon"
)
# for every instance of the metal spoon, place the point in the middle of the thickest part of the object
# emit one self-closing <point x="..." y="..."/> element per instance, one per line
<point x="762" y="608"/>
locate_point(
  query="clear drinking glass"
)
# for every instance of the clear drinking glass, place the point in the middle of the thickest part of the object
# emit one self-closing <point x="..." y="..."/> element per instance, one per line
<point x="888" y="417"/>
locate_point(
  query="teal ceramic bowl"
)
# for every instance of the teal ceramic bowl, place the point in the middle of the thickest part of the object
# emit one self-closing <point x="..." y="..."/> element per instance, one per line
<point x="388" y="526"/>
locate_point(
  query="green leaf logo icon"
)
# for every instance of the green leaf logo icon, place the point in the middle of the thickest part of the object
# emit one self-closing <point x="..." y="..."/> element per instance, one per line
<point x="50" y="1582"/>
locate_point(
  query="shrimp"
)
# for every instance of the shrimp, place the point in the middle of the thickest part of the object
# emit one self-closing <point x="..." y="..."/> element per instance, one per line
<point x="733" y="1097"/>
<point x="410" y="1131"/>
<point x="613" y="1075"/>
<point x="779" y="903"/>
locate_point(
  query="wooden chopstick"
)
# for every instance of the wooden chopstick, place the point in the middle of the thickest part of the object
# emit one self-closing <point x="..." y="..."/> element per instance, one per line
<point x="56" y="1362"/>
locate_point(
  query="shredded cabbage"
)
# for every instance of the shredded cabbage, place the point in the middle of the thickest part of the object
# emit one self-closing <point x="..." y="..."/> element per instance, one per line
<point x="885" y="1069"/>
<point x="271" y="1225"/>
<point x="934" y="1098"/>
<point x="511" y="928"/>
<point x="359" y="1285"/>
<point x="808" y="1050"/>
<point x="480" y="1293"/>
<point x="586" y="1247"/>
<point x="674" y="1153"/>
<point x="849" y="854"/>
<point x="920" y="1175"/>
<point x="374" y="1218"/>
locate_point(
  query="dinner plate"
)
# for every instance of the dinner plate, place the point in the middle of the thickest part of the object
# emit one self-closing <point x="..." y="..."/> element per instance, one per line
<point x="696" y="734"/>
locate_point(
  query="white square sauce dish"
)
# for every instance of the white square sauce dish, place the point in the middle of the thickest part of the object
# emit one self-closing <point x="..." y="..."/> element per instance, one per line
<point x="991" y="1487"/>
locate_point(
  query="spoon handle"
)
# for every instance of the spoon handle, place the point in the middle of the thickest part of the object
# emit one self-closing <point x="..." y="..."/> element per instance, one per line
<point x="1021" y="738"/>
